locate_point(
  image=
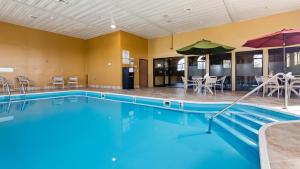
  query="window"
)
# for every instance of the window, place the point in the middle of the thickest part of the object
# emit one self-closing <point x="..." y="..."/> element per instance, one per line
<point x="226" y="64"/>
<point x="201" y="62"/>
<point x="180" y="65"/>
<point x="257" y="60"/>
<point x="296" y="58"/>
<point x="288" y="60"/>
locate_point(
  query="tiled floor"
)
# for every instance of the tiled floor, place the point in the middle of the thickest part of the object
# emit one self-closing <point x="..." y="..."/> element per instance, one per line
<point x="227" y="96"/>
<point x="283" y="145"/>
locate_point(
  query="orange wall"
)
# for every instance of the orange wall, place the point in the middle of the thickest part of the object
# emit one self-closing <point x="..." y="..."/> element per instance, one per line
<point x="138" y="48"/>
<point x="104" y="60"/>
<point x="235" y="34"/>
<point x="40" y="55"/>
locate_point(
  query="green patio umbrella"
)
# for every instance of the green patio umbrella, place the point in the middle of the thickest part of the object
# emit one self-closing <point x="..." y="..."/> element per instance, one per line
<point x="204" y="47"/>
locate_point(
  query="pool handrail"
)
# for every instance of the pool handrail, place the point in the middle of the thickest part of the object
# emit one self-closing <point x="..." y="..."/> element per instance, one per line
<point x="286" y="77"/>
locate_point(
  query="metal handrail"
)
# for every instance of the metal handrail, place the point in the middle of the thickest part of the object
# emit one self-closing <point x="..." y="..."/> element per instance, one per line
<point x="23" y="88"/>
<point x="246" y="95"/>
<point x="7" y="89"/>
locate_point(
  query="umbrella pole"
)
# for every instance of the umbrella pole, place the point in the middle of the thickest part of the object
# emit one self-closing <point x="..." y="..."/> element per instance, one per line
<point x="286" y="99"/>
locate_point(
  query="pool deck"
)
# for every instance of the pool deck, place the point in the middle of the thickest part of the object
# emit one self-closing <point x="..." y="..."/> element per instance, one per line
<point x="179" y="94"/>
<point x="280" y="145"/>
<point x="279" y="142"/>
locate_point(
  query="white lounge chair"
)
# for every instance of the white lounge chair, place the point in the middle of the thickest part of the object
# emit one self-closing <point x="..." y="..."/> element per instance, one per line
<point x="73" y="81"/>
<point x="58" y="81"/>
<point x="220" y="82"/>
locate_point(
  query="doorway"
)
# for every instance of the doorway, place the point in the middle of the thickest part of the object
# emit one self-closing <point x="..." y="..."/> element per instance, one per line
<point x="168" y="72"/>
<point x="143" y="73"/>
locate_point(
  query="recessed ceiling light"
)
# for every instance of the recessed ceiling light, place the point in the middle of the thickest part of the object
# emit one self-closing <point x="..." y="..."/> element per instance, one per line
<point x="113" y="26"/>
<point x="169" y="21"/>
<point x="62" y="1"/>
<point x="188" y="10"/>
<point x="33" y="17"/>
<point x="165" y="16"/>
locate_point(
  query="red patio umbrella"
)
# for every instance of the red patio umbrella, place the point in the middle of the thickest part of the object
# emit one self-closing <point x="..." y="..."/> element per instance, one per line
<point x="285" y="37"/>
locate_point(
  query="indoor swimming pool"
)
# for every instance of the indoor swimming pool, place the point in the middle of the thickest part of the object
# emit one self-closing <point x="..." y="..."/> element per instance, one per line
<point x="92" y="130"/>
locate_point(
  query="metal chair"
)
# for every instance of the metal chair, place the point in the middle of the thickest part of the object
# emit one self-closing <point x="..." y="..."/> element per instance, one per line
<point x="220" y="82"/>
<point x="58" y="80"/>
<point x="209" y="84"/>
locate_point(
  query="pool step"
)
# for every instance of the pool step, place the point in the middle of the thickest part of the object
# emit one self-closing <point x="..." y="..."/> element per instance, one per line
<point x="235" y="133"/>
<point x="245" y="119"/>
<point x="258" y="117"/>
<point x="241" y="127"/>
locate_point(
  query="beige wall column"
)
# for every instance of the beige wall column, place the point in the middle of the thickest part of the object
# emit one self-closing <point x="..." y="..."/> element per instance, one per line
<point x="206" y="64"/>
<point x="150" y="72"/>
<point x="265" y="62"/>
<point x="233" y="75"/>
<point x="186" y="66"/>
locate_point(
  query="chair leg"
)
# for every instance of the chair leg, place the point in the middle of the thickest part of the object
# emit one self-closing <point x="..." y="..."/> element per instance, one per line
<point x="222" y="88"/>
<point x="215" y="90"/>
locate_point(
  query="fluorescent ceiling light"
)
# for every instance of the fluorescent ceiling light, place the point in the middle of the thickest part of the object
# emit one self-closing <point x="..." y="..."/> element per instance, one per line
<point x="6" y="69"/>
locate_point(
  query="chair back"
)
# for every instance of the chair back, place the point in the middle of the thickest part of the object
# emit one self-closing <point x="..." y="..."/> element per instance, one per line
<point x="271" y="80"/>
<point x="73" y="79"/>
<point x="222" y="79"/>
<point x="259" y="79"/>
<point x="3" y="80"/>
<point x="22" y="79"/>
<point x="58" y="79"/>
<point x="196" y="77"/>
<point x="211" y="80"/>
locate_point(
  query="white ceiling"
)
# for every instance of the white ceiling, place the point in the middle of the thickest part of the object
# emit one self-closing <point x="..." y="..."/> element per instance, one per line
<point x="147" y="18"/>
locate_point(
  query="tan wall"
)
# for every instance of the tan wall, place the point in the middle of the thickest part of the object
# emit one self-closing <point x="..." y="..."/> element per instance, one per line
<point x="234" y="34"/>
<point x="138" y="48"/>
<point x="104" y="60"/>
<point x="40" y="55"/>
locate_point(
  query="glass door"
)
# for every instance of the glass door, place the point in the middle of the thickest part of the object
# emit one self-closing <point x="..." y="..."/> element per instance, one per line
<point x="220" y="65"/>
<point x="168" y="71"/>
<point x="196" y="66"/>
<point x="248" y="65"/>
<point x="292" y="60"/>
<point x="160" y="72"/>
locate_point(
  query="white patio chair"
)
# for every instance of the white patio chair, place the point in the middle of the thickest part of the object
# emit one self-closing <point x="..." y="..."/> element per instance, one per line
<point x="210" y="84"/>
<point x="259" y="81"/>
<point x="295" y="87"/>
<point x="3" y="82"/>
<point x="186" y="83"/>
<point x="220" y="82"/>
<point x="58" y="81"/>
<point x="73" y="81"/>
<point x="272" y="86"/>
<point x="24" y="81"/>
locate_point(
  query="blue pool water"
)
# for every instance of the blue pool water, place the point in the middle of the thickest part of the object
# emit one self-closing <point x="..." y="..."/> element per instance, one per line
<point x="79" y="132"/>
